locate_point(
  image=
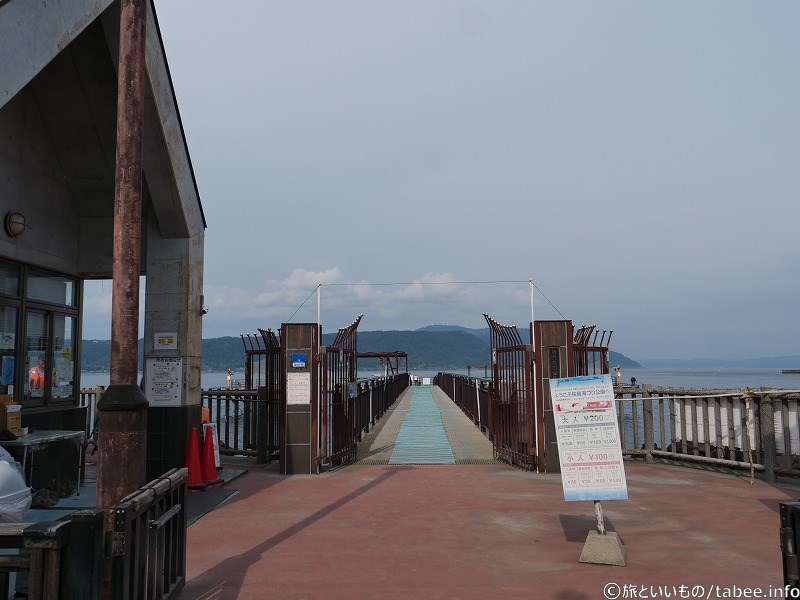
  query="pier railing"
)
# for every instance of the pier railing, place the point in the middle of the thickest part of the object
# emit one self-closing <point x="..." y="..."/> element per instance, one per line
<point x="148" y="545"/>
<point x="374" y="398"/>
<point x="236" y="415"/>
<point x="750" y="429"/>
<point x="471" y="395"/>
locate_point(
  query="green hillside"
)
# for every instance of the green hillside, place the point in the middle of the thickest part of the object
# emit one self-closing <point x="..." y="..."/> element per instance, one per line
<point x="429" y="349"/>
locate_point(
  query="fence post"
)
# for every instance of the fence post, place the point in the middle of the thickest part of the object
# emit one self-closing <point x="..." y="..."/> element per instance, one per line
<point x="767" y="409"/>
<point x="262" y="425"/>
<point x="85" y="557"/>
<point x="647" y="411"/>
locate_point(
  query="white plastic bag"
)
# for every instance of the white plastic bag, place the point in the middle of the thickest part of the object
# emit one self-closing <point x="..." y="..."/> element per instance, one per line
<point x="15" y="496"/>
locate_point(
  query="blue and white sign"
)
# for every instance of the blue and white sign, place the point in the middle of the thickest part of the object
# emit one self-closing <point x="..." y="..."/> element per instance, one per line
<point x="299" y="361"/>
<point x="588" y="438"/>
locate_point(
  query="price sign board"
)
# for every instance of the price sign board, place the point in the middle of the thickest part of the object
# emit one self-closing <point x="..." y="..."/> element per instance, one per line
<point x="588" y="438"/>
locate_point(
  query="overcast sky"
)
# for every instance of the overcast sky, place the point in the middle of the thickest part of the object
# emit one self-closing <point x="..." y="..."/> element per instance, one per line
<point x="638" y="160"/>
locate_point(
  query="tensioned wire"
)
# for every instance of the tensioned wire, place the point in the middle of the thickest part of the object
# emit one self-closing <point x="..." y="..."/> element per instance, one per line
<point x="536" y="287"/>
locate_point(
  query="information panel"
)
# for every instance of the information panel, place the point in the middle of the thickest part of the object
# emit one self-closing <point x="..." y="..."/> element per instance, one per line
<point x="164" y="380"/>
<point x="298" y="388"/>
<point x="588" y="438"/>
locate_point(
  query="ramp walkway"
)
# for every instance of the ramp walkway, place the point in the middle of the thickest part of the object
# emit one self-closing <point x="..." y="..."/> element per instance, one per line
<point x="425" y="427"/>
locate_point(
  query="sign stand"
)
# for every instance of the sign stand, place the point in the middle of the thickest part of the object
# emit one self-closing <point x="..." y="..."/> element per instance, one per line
<point x="590" y="456"/>
<point x="603" y="547"/>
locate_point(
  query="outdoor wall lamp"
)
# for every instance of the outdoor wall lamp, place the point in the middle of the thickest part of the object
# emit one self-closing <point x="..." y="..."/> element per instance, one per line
<point x="15" y="224"/>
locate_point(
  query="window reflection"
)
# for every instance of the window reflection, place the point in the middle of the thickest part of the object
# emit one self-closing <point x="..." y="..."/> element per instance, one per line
<point x="57" y="290"/>
<point x="9" y="280"/>
<point x="36" y="356"/>
<point x="8" y="338"/>
<point x="64" y="357"/>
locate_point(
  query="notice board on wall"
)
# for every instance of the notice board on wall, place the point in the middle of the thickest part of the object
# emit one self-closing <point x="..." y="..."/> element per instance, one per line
<point x="164" y="380"/>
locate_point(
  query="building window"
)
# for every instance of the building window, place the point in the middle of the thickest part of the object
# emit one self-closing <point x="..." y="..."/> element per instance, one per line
<point x="9" y="280"/>
<point x="63" y="358"/>
<point x="51" y="289"/>
<point x="8" y="341"/>
<point x="37" y="333"/>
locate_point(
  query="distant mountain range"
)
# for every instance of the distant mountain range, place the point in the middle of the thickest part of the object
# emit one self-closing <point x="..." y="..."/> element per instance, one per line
<point x="432" y="347"/>
<point x="767" y="362"/>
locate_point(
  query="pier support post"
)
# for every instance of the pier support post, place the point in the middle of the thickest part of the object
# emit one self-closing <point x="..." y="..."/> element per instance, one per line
<point x="647" y="409"/>
<point x="122" y="409"/>
<point x="767" y="409"/>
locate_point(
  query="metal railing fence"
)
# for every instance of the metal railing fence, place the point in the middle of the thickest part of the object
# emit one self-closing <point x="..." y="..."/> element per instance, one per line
<point x="758" y="429"/>
<point x="471" y="394"/>
<point x="373" y="399"/>
<point x="148" y="544"/>
<point x="236" y="415"/>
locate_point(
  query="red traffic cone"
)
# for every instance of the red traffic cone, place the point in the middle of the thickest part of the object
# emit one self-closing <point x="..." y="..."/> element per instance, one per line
<point x="208" y="465"/>
<point x="195" y="478"/>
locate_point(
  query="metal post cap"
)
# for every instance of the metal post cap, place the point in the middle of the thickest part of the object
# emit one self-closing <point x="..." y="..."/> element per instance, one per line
<point x="122" y="397"/>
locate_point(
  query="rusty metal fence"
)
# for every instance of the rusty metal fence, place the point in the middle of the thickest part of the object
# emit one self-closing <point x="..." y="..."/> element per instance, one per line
<point x="373" y="398"/>
<point x="472" y="395"/>
<point x="248" y="421"/>
<point x="511" y="410"/>
<point x="337" y="418"/>
<point x="589" y="356"/>
<point x="235" y="414"/>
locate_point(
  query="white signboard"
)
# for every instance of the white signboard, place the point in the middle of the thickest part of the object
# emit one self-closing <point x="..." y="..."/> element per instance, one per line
<point x="298" y="388"/>
<point x="164" y="380"/>
<point x="214" y="440"/>
<point x="588" y="438"/>
<point x="165" y="341"/>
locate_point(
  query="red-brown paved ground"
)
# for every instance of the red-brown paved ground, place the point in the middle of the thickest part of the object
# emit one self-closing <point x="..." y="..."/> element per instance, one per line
<point x="478" y="531"/>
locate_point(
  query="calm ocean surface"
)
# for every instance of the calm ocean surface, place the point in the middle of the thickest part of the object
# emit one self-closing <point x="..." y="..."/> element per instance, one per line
<point x="734" y="379"/>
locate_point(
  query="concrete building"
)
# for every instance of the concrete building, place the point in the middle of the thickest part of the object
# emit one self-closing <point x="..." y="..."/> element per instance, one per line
<point x="58" y="101"/>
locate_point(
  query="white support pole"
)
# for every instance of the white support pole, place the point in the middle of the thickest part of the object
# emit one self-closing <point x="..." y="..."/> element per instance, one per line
<point x="598" y="515"/>
<point x="319" y="305"/>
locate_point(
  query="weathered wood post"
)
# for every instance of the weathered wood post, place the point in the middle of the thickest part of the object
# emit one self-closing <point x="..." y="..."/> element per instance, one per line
<point x="647" y="408"/>
<point x="767" y="409"/>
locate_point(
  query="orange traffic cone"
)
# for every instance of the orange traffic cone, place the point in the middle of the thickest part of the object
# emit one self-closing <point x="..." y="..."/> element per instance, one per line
<point x="195" y="478"/>
<point x="208" y="464"/>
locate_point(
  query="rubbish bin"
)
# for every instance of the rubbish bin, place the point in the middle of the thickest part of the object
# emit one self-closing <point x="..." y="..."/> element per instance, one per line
<point x="15" y="500"/>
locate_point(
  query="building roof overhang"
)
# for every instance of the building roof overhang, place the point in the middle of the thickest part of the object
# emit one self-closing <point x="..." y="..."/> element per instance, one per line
<point x="66" y="52"/>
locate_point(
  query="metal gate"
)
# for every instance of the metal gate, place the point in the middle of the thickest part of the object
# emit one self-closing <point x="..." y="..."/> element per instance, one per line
<point x="511" y="401"/>
<point x="338" y="427"/>
<point x="270" y="398"/>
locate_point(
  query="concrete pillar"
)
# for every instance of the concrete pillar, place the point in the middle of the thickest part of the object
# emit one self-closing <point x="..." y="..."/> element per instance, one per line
<point x="173" y="336"/>
<point x="299" y="429"/>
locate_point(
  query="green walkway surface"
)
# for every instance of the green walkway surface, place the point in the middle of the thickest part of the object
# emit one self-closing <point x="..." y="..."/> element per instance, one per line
<point x="466" y="443"/>
<point x="422" y="439"/>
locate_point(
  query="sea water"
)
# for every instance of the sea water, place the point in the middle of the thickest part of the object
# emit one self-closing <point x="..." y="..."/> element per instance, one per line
<point x="728" y="379"/>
